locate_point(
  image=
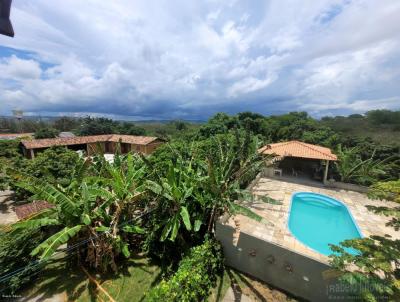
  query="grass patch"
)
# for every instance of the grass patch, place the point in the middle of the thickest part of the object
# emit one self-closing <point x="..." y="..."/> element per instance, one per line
<point x="246" y="285"/>
<point x="134" y="278"/>
<point x="223" y="283"/>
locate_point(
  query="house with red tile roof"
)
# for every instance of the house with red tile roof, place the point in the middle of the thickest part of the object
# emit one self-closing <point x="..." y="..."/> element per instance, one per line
<point x="107" y="143"/>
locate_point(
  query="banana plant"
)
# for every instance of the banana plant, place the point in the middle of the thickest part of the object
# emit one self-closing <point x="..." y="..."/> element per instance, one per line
<point x="66" y="213"/>
<point x="96" y="211"/>
<point x="352" y="167"/>
<point x="228" y="167"/>
<point x="175" y="194"/>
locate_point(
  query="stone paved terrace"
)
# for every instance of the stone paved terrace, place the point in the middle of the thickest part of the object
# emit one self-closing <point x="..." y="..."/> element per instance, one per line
<point x="274" y="229"/>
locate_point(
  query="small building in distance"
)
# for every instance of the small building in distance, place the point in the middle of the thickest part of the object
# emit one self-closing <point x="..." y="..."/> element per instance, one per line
<point x="66" y="134"/>
<point x="92" y="144"/>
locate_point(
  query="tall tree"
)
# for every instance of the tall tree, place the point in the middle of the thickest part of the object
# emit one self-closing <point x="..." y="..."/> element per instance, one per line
<point x="46" y="132"/>
<point x="95" y="126"/>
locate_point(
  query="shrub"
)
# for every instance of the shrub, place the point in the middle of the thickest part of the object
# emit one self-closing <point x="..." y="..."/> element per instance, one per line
<point x="46" y="132"/>
<point x="96" y="126"/>
<point x="55" y="165"/>
<point x="389" y="190"/>
<point x="10" y="158"/>
<point x="196" y="275"/>
<point x="15" y="249"/>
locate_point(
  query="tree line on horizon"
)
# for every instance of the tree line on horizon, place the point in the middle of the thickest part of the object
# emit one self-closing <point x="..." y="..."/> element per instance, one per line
<point x="372" y="121"/>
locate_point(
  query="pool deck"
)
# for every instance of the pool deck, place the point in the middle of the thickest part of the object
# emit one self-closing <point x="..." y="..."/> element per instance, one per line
<point x="274" y="228"/>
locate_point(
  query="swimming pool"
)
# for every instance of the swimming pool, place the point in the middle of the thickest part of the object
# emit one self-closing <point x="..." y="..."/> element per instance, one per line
<point x="317" y="220"/>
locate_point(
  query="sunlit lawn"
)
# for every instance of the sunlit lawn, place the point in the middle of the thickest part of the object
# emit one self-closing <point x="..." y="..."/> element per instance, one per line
<point x="133" y="280"/>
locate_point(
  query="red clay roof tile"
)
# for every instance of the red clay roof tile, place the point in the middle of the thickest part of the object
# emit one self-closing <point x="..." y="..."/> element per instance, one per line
<point x="77" y="140"/>
<point x="298" y="149"/>
<point x="29" y="209"/>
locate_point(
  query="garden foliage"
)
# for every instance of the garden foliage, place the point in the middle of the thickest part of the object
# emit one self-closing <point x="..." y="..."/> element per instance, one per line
<point x="15" y="249"/>
<point x="196" y="275"/>
<point x="46" y="132"/>
<point x="374" y="271"/>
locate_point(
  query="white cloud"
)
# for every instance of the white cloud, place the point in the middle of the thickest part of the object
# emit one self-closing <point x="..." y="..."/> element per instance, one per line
<point x="14" y="68"/>
<point x="249" y="84"/>
<point x="167" y="58"/>
<point x="338" y="78"/>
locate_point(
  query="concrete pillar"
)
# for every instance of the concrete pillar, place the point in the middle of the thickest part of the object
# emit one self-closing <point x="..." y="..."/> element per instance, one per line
<point x="32" y="153"/>
<point x="326" y="171"/>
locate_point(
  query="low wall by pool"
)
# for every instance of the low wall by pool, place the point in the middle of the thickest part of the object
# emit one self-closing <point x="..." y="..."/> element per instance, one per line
<point x="280" y="267"/>
<point x="346" y="186"/>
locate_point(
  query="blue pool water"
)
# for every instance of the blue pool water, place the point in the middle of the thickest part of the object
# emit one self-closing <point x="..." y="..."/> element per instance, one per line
<point x="317" y="220"/>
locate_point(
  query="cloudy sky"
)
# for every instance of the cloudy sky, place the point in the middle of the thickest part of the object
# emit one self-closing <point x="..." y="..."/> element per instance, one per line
<point x="190" y="59"/>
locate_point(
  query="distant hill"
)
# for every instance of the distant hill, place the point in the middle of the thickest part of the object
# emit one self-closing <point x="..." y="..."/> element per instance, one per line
<point x="153" y="121"/>
<point x="382" y="126"/>
<point x="168" y="121"/>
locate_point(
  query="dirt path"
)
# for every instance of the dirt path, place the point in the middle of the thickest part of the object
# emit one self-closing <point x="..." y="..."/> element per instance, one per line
<point x="7" y="213"/>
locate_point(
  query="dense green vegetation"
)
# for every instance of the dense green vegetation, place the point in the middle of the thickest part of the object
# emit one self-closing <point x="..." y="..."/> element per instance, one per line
<point x="102" y="203"/>
<point x="196" y="275"/>
<point x="164" y="205"/>
<point x="374" y="273"/>
<point x="95" y="126"/>
<point x="15" y="249"/>
<point x="383" y="126"/>
<point x="46" y="132"/>
<point x="363" y="160"/>
<point x="54" y="165"/>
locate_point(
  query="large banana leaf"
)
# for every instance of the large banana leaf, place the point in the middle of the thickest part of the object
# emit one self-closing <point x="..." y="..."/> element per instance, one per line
<point x="166" y="230"/>
<point x="154" y="187"/>
<point x="50" y="245"/>
<point x="51" y="194"/>
<point x="175" y="228"/>
<point x="185" y="217"/>
<point x="101" y="192"/>
<point x="133" y="229"/>
<point x="236" y="208"/>
<point x="35" y="223"/>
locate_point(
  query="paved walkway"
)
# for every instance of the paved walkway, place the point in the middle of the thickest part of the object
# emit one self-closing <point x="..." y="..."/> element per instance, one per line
<point x="274" y="228"/>
<point x="7" y="214"/>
